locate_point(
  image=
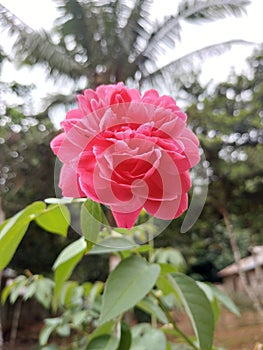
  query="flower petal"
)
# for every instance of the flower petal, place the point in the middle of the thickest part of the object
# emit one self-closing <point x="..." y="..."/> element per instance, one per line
<point x="167" y="210"/>
<point x="126" y="220"/>
<point x="69" y="183"/>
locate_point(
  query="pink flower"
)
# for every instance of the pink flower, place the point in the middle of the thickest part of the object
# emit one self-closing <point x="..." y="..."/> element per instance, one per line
<point x="128" y="151"/>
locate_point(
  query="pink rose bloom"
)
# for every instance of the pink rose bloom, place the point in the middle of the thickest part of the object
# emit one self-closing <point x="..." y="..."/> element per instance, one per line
<point x="127" y="151"/>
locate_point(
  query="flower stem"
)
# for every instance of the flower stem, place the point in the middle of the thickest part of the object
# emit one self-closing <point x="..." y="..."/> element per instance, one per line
<point x="150" y="255"/>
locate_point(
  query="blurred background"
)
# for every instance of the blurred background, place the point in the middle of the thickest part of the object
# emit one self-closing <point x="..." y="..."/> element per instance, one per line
<point x="207" y="54"/>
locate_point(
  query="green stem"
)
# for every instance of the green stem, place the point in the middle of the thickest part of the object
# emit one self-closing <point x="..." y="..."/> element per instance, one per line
<point x="150" y="254"/>
<point x="171" y="320"/>
<point x="151" y="250"/>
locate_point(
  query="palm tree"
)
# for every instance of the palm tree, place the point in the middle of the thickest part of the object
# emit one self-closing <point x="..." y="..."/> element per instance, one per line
<point x="108" y="41"/>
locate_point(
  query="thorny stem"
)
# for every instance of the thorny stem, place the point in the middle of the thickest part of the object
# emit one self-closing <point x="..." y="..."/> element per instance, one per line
<point x="173" y="323"/>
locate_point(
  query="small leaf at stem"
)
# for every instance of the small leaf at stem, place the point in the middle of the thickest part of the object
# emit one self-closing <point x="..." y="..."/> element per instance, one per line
<point x="91" y="220"/>
<point x="55" y="219"/>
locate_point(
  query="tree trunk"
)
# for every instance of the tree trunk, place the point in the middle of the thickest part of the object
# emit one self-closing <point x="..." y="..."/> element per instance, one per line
<point x="250" y="292"/>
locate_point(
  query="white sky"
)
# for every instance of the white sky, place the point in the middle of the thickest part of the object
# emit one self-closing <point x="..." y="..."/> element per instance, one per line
<point x="41" y="13"/>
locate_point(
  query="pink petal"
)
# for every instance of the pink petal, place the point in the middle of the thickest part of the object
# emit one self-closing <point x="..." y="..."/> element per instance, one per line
<point x="167" y="210"/>
<point x="126" y="220"/>
<point x="69" y="183"/>
<point x="56" y="143"/>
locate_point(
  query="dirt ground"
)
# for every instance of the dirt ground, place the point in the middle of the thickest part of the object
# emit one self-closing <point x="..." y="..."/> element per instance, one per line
<point x="232" y="333"/>
<point x="242" y="333"/>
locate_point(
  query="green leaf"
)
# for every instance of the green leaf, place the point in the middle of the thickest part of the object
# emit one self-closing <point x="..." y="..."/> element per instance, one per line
<point x="79" y="317"/>
<point x="166" y="284"/>
<point x="198" y="309"/>
<point x="91" y="220"/>
<point x="126" y="337"/>
<point x="71" y="251"/>
<point x="206" y="289"/>
<point x="225" y="300"/>
<point x="18" y="285"/>
<point x="96" y="290"/>
<point x="103" y="342"/>
<point x="55" y="219"/>
<point x="6" y="292"/>
<point x="113" y="244"/>
<point x="14" y="230"/>
<point x="44" y="291"/>
<point x="211" y="297"/>
<point x="132" y="279"/>
<point x="30" y="291"/>
<point x="65" y="264"/>
<point x="106" y="328"/>
<point x="167" y="268"/>
<point x="66" y="293"/>
<point x="63" y="330"/>
<point x="147" y="338"/>
<point x="50" y="325"/>
<point x="149" y="305"/>
<point x="2" y="225"/>
<point x="169" y="256"/>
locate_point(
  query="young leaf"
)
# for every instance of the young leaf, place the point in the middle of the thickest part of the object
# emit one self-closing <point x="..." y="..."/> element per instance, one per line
<point x="55" y="219"/>
<point x="66" y="262"/>
<point x="132" y="279"/>
<point x="91" y="220"/>
<point x="198" y="309"/>
<point x="14" y="230"/>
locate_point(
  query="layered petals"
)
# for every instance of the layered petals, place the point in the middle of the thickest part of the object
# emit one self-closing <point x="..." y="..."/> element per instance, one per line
<point x="127" y="151"/>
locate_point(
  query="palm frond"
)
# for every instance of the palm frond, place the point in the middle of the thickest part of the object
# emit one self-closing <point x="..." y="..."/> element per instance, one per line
<point x="169" y="31"/>
<point x="137" y="28"/>
<point x="11" y="23"/>
<point x="36" y="46"/>
<point x="163" y="37"/>
<point x="108" y="41"/>
<point x="211" y="10"/>
<point x="186" y="63"/>
<point x="77" y="23"/>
